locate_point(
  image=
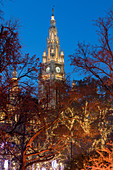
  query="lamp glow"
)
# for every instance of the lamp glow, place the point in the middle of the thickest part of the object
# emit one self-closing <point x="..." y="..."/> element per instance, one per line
<point x="54" y="164"/>
<point x="6" y="164"/>
<point x="43" y="168"/>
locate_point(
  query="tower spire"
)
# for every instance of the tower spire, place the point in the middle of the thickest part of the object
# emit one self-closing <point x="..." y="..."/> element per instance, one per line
<point x="53" y="60"/>
<point x="52" y="11"/>
<point x="52" y="19"/>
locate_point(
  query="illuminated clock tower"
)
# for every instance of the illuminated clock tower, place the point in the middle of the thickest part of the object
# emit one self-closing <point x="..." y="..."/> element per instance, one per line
<point x="53" y="62"/>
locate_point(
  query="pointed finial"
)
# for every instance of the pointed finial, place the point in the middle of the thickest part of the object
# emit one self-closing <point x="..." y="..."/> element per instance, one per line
<point x="52" y="18"/>
<point x="62" y="52"/>
<point x="53" y="10"/>
<point x="44" y="53"/>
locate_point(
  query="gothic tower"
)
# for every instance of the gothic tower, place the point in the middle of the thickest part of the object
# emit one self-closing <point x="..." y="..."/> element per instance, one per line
<point x="53" y="65"/>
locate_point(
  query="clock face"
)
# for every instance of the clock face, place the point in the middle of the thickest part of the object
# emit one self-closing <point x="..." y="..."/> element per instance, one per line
<point x="58" y="69"/>
<point x="48" y="69"/>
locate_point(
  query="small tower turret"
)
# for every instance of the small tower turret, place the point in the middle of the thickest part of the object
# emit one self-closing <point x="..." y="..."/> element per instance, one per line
<point x="14" y="87"/>
<point x="44" y="57"/>
<point x="14" y="81"/>
<point x="62" y="56"/>
<point x="14" y="74"/>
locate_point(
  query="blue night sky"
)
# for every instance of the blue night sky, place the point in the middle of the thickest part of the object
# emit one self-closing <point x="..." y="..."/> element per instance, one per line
<point x="74" y="21"/>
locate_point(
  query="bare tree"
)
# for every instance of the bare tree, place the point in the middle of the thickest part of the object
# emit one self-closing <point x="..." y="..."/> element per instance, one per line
<point x="98" y="60"/>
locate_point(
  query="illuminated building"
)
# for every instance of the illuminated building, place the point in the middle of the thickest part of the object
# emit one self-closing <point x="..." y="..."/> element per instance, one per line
<point x="53" y="67"/>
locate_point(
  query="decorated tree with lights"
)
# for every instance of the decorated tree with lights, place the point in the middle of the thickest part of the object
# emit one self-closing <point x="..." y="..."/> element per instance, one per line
<point x="97" y="62"/>
<point x="103" y="158"/>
